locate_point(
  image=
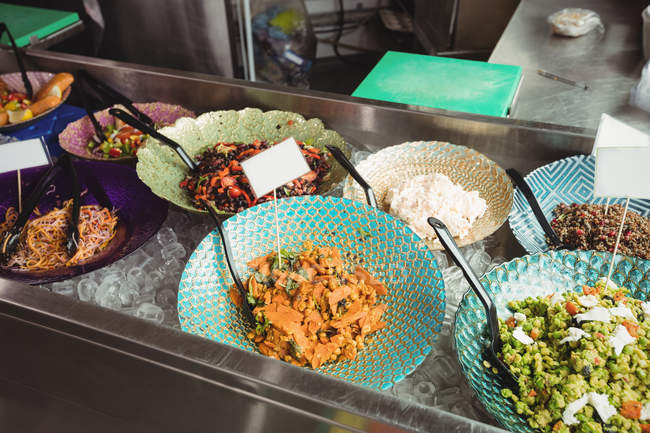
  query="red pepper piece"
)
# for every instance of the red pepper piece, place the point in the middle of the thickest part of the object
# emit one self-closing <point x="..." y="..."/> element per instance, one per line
<point x="115" y="152"/>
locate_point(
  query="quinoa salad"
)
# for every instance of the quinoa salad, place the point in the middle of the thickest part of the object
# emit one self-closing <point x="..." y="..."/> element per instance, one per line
<point x="582" y="360"/>
<point x="586" y="227"/>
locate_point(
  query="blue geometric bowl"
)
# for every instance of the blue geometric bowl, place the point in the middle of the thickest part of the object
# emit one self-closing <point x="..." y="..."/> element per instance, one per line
<point x="385" y="246"/>
<point x="534" y="275"/>
<point x="568" y="180"/>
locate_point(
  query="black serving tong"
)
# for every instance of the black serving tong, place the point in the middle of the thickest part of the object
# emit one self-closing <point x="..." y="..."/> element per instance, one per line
<point x="9" y="240"/>
<point x="111" y="95"/>
<point x="447" y="241"/>
<point x="147" y="129"/>
<point x="19" y="60"/>
<point x="84" y="82"/>
<point x="227" y="249"/>
<point x="534" y="205"/>
<point x="345" y="163"/>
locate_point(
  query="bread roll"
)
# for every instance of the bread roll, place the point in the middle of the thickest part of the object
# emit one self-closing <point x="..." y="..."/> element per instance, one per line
<point x="56" y="86"/>
<point x="42" y="105"/>
<point x="4" y="118"/>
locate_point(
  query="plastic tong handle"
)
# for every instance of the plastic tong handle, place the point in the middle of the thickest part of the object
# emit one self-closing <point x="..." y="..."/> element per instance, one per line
<point x="450" y="245"/>
<point x="227" y="249"/>
<point x="127" y="118"/>
<point x="99" y="132"/>
<point x="101" y="87"/>
<point x="11" y="237"/>
<point x="534" y="205"/>
<point x="19" y="60"/>
<point x="345" y="162"/>
<point x="447" y="241"/>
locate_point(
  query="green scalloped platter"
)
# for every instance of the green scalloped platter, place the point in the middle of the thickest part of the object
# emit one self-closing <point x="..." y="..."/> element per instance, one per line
<point x="161" y="169"/>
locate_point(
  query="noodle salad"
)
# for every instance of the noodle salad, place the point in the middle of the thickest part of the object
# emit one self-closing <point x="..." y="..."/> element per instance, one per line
<point x="42" y="242"/>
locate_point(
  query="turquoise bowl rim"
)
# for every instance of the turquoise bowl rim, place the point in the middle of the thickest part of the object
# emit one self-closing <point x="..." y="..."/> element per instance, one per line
<point x="434" y="274"/>
<point x="511" y="420"/>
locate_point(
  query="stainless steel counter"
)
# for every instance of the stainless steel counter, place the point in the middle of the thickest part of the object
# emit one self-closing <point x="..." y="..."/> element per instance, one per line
<point x="609" y="62"/>
<point x="60" y="355"/>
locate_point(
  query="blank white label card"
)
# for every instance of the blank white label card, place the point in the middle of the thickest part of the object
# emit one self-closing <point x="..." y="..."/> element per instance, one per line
<point x="274" y="167"/>
<point x="23" y="154"/>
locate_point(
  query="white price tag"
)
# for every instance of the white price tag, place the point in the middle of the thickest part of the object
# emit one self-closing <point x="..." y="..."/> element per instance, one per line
<point x="275" y="167"/>
<point x="622" y="160"/>
<point x="23" y="154"/>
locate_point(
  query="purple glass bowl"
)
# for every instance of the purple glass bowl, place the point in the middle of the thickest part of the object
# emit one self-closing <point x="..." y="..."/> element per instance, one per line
<point x="77" y="134"/>
<point x="140" y="213"/>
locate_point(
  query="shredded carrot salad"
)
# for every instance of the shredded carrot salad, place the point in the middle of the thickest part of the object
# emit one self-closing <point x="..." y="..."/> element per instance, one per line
<point x="42" y="241"/>
<point x="309" y="310"/>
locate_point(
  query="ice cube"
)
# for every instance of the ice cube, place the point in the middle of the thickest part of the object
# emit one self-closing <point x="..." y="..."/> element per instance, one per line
<point x="443" y="372"/>
<point x="107" y="295"/>
<point x="174" y="250"/>
<point x="405" y="389"/>
<point x="479" y="262"/>
<point x="425" y="392"/>
<point x="441" y="259"/>
<point x="172" y="267"/>
<point x="128" y="293"/>
<point x="166" y="236"/>
<point x="448" y="397"/>
<point x="64" y="288"/>
<point x="138" y="277"/>
<point x="166" y="298"/>
<point x="86" y="289"/>
<point x="110" y="277"/>
<point x="496" y="261"/>
<point x="150" y="312"/>
<point x="156" y="280"/>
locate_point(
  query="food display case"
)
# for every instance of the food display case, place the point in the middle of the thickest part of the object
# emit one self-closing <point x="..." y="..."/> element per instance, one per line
<point x="69" y="365"/>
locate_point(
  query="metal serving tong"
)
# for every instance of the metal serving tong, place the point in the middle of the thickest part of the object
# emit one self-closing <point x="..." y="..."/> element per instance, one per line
<point x="148" y="129"/>
<point x="19" y="60"/>
<point x="85" y="82"/>
<point x="520" y="183"/>
<point x="9" y="240"/>
<point x="447" y="241"/>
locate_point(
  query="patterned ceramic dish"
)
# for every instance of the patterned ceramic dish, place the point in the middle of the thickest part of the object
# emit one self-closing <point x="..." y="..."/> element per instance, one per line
<point x="569" y="180"/>
<point x="140" y="213"/>
<point x="162" y="169"/>
<point x="75" y="137"/>
<point x="37" y="79"/>
<point x="392" y="253"/>
<point x="465" y="167"/>
<point x="534" y="275"/>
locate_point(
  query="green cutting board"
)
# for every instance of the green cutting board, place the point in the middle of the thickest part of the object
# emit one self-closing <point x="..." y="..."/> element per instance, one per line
<point x="25" y="22"/>
<point x="440" y="82"/>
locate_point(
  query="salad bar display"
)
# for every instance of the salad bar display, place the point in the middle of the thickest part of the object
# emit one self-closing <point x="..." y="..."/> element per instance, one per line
<point x="346" y="289"/>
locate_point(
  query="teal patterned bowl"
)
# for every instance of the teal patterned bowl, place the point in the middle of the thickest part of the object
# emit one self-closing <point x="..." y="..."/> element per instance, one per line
<point x="533" y="275"/>
<point x="385" y="246"/>
<point x="569" y="180"/>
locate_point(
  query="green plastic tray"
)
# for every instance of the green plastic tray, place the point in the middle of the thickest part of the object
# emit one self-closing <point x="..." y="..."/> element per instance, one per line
<point x="25" y="22"/>
<point x="440" y="82"/>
